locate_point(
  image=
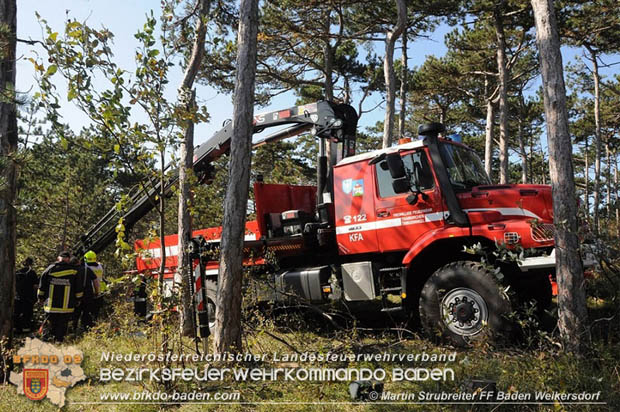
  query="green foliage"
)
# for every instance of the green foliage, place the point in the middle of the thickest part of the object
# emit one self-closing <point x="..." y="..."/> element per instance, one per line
<point x="434" y="89"/>
<point x="582" y="127"/>
<point x="283" y="163"/>
<point x="208" y="205"/>
<point x="593" y="24"/>
<point x="62" y="191"/>
<point x="83" y="57"/>
<point x="376" y="18"/>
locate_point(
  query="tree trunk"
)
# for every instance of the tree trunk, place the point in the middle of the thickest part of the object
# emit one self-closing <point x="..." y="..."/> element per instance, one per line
<point x="65" y="225"/>
<point x="228" y="313"/>
<point x="488" y="141"/>
<point x="443" y="112"/>
<point x="597" y="137"/>
<point x="8" y="172"/>
<point x="162" y="222"/>
<point x="328" y="62"/>
<point x="346" y="99"/>
<point x="188" y="327"/>
<point x="521" y="137"/>
<point x="388" y="72"/>
<point x="523" y="153"/>
<point x="331" y="149"/>
<point x="188" y="96"/>
<point x="503" y="95"/>
<point x="403" y="87"/>
<point x="616" y="193"/>
<point x="544" y="170"/>
<point x="573" y="322"/>
<point x="586" y="177"/>
<point x="530" y="159"/>
<point x="609" y="185"/>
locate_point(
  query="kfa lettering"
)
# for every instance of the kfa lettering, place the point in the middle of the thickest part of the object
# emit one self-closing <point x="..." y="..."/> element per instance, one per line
<point x="356" y="237"/>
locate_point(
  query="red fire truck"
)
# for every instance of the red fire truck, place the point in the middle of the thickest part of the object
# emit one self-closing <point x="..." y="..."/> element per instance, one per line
<point x="395" y="221"/>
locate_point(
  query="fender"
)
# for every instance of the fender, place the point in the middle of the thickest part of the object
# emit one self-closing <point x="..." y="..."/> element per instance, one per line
<point x="430" y="237"/>
<point x="484" y="226"/>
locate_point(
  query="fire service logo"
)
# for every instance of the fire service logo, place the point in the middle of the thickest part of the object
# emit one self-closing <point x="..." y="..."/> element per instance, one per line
<point x="48" y="371"/>
<point x="36" y="382"/>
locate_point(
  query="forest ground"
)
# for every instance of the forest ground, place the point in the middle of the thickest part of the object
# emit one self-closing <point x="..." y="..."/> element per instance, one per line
<point x="533" y="363"/>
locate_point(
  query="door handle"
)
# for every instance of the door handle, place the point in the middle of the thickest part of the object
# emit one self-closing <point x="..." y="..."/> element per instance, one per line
<point x="382" y="213"/>
<point x="528" y="192"/>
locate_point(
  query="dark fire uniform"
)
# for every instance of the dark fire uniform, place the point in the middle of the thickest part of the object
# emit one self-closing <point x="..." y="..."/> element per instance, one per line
<point x="61" y="287"/>
<point x="86" y="311"/>
<point x="25" y="297"/>
<point x="139" y="298"/>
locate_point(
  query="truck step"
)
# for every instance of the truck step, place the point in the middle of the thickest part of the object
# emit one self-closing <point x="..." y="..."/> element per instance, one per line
<point x="392" y="309"/>
<point x="394" y="269"/>
<point x="388" y="277"/>
<point x="394" y="289"/>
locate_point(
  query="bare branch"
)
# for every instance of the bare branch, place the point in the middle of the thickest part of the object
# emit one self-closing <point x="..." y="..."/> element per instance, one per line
<point x="30" y="41"/>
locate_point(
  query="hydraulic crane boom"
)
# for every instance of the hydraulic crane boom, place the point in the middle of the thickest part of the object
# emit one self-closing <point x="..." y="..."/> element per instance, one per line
<point x="326" y="120"/>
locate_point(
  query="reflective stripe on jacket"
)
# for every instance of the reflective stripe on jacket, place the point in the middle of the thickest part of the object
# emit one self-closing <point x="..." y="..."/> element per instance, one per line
<point x="61" y="286"/>
<point x="98" y="269"/>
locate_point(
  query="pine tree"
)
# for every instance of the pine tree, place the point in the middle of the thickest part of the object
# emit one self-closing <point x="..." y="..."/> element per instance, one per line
<point x="595" y="26"/>
<point x="228" y="313"/>
<point x="573" y="322"/>
<point x="8" y="170"/>
<point x="188" y="101"/>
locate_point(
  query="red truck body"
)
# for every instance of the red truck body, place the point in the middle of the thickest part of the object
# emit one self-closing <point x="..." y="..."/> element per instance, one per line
<point x="269" y="198"/>
<point x="400" y="221"/>
<point x="367" y="223"/>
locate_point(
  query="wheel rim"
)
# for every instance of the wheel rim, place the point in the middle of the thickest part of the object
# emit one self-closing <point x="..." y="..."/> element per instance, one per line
<point x="464" y="311"/>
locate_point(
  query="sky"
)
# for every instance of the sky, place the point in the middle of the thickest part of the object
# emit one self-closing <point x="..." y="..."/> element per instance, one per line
<point x="124" y="18"/>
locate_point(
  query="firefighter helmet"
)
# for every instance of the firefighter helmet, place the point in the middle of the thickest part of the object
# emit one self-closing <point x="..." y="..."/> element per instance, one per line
<point x="90" y="257"/>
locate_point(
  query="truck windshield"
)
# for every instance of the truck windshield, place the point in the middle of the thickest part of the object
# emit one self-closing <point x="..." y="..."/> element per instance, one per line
<point x="464" y="167"/>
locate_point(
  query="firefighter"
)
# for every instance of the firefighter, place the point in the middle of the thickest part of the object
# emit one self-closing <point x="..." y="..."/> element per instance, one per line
<point x="27" y="282"/>
<point x="86" y="310"/>
<point x="90" y="258"/>
<point x="139" y="298"/>
<point x="61" y="288"/>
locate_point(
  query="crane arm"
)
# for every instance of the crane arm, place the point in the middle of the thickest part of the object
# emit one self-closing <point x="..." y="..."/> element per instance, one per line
<point x="325" y="119"/>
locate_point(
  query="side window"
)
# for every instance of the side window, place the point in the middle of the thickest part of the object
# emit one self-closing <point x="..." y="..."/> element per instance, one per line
<point x="421" y="171"/>
<point x="417" y="167"/>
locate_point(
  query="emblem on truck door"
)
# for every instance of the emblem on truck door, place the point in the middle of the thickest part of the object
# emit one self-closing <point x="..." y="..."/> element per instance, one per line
<point x="355" y="186"/>
<point x="347" y="186"/>
<point x="358" y="187"/>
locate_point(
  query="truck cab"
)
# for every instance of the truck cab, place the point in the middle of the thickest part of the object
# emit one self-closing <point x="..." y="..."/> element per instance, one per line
<point x="376" y="214"/>
<point x="413" y="214"/>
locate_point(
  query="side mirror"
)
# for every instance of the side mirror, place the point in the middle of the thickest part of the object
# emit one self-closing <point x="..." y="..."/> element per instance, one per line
<point x="401" y="185"/>
<point x="396" y="166"/>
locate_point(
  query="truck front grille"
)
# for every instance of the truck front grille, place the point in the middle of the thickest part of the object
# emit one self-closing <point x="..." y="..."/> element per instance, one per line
<point x="542" y="232"/>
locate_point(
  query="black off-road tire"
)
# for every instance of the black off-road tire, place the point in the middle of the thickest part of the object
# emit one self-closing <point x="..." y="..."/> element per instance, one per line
<point x="530" y="287"/>
<point x="464" y="290"/>
<point x="533" y="285"/>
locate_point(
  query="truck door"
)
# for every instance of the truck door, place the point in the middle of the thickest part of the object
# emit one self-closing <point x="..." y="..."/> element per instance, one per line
<point x="400" y="223"/>
<point x="354" y="193"/>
